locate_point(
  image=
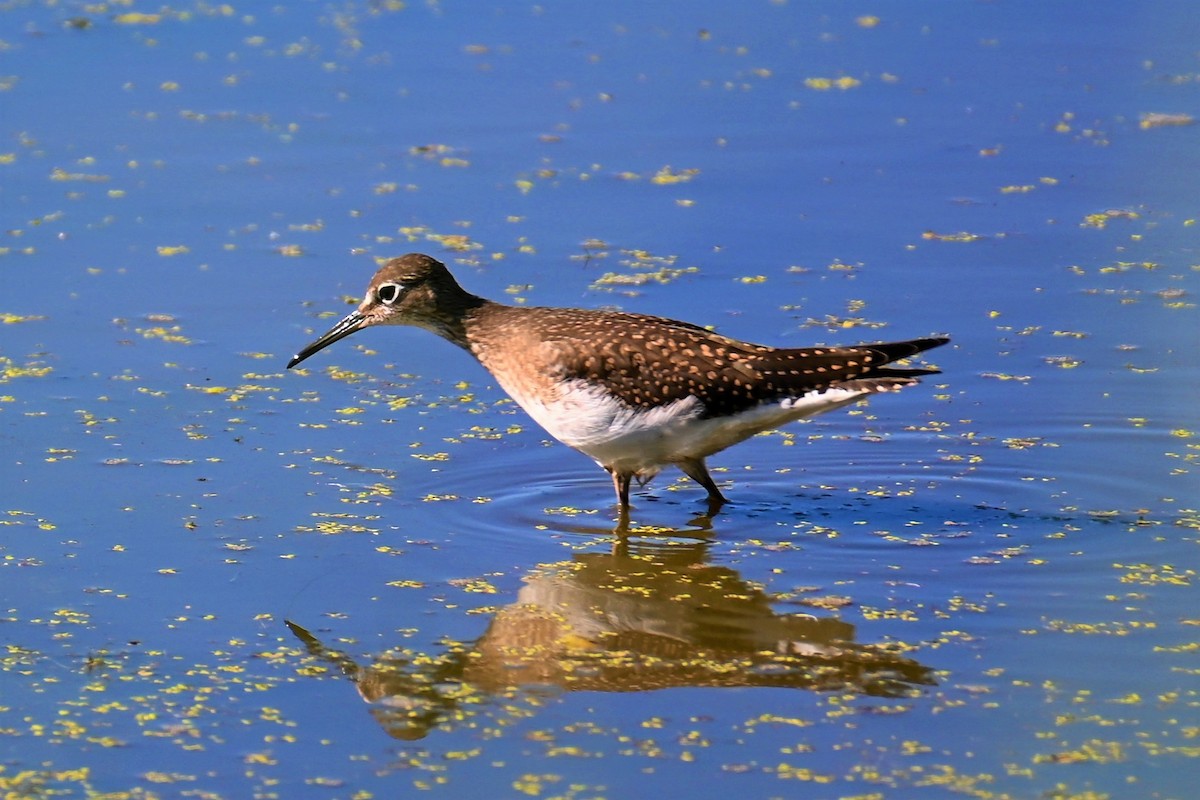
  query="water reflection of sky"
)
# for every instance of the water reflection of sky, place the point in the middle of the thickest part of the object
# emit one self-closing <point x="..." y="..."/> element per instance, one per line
<point x="187" y="189"/>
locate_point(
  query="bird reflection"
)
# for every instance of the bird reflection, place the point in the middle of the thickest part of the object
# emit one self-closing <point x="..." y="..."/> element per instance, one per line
<point x="645" y="616"/>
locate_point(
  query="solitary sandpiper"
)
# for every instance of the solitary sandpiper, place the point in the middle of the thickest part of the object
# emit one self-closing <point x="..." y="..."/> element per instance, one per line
<point x="634" y="392"/>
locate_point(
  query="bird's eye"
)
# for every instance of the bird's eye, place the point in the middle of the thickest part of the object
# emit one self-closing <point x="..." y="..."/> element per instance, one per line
<point x="389" y="293"/>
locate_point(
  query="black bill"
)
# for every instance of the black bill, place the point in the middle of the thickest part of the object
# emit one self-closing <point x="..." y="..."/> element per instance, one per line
<point x="351" y="323"/>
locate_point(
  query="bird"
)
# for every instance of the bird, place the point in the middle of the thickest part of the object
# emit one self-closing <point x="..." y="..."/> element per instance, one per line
<point x="632" y="391"/>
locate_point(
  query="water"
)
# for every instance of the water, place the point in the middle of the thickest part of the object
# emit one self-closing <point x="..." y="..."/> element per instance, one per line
<point x="374" y="577"/>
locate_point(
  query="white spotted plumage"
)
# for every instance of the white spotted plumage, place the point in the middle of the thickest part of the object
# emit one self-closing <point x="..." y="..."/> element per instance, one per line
<point x="634" y="392"/>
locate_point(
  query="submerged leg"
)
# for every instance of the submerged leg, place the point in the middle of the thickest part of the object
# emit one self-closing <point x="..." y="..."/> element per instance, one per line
<point x="695" y="469"/>
<point x="621" y="484"/>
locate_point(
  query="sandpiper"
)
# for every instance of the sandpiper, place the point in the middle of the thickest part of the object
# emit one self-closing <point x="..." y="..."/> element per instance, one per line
<point x="634" y="392"/>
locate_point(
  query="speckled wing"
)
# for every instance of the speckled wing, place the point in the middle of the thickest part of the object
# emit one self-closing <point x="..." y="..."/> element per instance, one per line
<point x="790" y="373"/>
<point x="651" y="361"/>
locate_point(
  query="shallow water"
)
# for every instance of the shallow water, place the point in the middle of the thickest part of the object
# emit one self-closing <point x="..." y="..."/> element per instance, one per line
<point x="375" y="577"/>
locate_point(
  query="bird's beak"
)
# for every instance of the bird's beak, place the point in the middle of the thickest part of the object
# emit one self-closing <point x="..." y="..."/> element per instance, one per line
<point x="352" y="322"/>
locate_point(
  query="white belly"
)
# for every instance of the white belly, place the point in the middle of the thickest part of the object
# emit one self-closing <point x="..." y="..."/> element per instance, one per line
<point x="626" y="439"/>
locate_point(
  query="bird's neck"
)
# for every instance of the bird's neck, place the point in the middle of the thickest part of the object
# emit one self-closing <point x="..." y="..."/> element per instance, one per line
<point x="461" y="320"/>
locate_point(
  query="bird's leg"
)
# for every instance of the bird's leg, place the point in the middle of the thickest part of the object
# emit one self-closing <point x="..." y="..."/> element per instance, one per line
<point x="695" y="469"/>
<point x="621" y="484"/>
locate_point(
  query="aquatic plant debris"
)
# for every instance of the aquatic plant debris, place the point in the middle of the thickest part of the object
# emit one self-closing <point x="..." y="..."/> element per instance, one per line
<point x="375" y="577"/>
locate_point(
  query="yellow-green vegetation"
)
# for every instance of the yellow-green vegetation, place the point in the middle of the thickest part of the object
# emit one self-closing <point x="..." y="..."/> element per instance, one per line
<point x="374" y="577"/>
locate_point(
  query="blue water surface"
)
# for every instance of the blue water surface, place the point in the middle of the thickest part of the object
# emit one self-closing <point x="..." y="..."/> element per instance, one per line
<point x="375" y="577"/>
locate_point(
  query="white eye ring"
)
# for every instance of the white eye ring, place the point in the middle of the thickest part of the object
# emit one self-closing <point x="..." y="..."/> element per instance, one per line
<point x="389" y="293"/>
